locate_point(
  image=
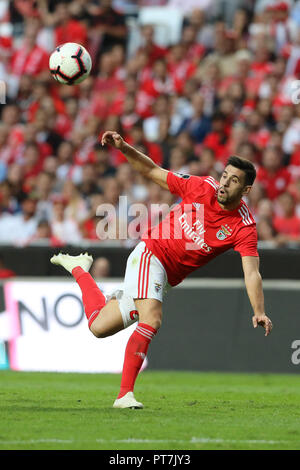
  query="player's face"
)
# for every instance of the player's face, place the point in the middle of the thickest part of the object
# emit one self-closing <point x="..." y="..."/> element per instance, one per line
<point x="232" y="186"/>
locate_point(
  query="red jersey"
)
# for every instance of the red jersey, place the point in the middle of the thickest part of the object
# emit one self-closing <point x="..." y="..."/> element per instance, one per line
<point x="197" y="229"/>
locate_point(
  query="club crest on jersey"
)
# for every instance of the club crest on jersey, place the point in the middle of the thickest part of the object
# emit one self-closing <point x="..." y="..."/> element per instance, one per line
<point x="224" y="232"/>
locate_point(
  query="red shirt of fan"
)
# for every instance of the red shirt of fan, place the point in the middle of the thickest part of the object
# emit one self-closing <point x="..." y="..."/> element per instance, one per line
<point x="30" y="62"/>
<point x="197" y="229"/>
<point x="274" y="184"/>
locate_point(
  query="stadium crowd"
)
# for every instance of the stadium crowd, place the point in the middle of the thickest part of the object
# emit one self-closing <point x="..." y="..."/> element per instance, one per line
<point x="227" y="86"/>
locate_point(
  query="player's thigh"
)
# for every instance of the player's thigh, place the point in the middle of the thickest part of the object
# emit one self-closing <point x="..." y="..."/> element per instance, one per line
<point x="150" y="312"/>
<point x="109" y="321"/>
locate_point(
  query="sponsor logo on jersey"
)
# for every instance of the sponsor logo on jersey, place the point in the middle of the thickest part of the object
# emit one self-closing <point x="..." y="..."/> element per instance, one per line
<point x="224" y="232"/>
<point x="195" y="232"/>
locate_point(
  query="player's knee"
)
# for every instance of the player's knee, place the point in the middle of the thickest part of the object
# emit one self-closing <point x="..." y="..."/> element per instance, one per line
<point x="156" y="323"/>
<point x="99" y="332"/>
<point x="152" y="318"/>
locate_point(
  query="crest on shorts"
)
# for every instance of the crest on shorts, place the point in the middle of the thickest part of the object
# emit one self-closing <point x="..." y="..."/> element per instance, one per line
<point x="224" y="232"/>
<point x="157" y="286"/>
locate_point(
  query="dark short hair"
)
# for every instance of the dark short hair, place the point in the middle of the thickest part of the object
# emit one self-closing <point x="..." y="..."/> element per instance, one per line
<point x="244" y="165"/>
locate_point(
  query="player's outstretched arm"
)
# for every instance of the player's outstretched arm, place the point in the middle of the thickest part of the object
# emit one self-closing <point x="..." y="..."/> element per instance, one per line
<point x="254" y="288"/>
<point x="137" y="160"/>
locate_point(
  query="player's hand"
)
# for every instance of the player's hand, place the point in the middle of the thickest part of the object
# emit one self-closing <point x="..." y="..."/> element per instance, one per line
<point x="112" y="138"/>
<point x="264" y="321"/>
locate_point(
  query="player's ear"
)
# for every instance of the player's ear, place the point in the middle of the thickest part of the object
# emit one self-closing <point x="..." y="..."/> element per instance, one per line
<point x="247" y="190"/>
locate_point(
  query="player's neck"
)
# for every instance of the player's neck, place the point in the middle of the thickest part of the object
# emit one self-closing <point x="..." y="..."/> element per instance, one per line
<point x="229" y="207"/>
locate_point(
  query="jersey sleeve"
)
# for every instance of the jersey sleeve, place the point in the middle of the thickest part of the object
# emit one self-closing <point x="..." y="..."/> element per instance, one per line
<point x="246" y="243"/>
<point x="182" y="185"/>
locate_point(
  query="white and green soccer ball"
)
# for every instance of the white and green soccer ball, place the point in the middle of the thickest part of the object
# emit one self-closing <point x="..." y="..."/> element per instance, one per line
<point x="70" y="63"/>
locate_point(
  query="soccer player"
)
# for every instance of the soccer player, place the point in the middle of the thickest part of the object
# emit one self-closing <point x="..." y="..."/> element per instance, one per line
<point x="210" y="219"/>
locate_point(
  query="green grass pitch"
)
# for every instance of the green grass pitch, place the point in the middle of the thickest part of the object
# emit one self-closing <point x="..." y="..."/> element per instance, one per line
<point x="182" y="411"/>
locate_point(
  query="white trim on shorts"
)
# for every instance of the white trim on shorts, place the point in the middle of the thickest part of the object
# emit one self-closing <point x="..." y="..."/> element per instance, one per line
<point x="145" y="276"/>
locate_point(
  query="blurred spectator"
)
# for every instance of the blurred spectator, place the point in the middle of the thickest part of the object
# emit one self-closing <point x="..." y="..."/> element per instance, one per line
<point x="148" y="47"/>
<point x="75" y="204"/>
<point x="265" y="210"/>
<point x="29" y="58"/>
<point x="89" y="181"/>
<point x="254" y="198"/>
<point x="249" y="151"/>
<point x="266" y="233"/>
<point x="103" y="166"/>
<point x="8" y="203"/>
<point x="151" y="125"/>
<point x="125" y="6"/>
<point x="42" y="234"/>
<point x="178" y="161"/>
<point x="15" y="179"/>
<point x="291" y="137"/>
<point x="17" y="229"/>
<point x="199" y="20"/>
<point x="189" y="5"/>
<point x="208" y="164"/>
<point x="108" y="27"/>
<point x="136" y="137"/>
<point x="152" y="3"/>
<point x="287" y="223"/>
<point x="226" y="10"/>
<point x="224" y="51"/>
<point x="216" y="140"/>
<point x="159" y="82"/>
<point x="42" y="188"/>
<point x="89" y="224"/>
<point x="100" y="268"/>
<point x="66" y="27"/>
<point x="198" y="125"/>
<point x="64" y="230"/>
<point x="129" y="116"/>
<point x="273" y="177"/>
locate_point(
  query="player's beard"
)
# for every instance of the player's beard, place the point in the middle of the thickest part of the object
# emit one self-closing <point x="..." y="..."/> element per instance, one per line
<point x="227" y="199"/>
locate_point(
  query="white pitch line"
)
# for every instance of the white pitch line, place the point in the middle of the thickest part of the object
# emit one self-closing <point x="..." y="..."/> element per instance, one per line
<point x="193" y="440"/>
<point x="37" y="441"/>
<point x="204" y="440"/>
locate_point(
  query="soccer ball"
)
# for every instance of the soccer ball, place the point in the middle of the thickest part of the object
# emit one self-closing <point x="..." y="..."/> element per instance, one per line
<point x="70" y="63"/>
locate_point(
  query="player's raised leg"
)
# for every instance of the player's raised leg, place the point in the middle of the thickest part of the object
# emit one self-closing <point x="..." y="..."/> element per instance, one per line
<point x="104" y="319"/>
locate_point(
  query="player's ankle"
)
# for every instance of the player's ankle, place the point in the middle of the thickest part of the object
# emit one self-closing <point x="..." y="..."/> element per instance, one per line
<point x="123" y="392"/>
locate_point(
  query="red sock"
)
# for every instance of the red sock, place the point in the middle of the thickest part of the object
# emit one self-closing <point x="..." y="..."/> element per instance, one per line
<point x="135" y="354"/>
<point x="92" y="298"/>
